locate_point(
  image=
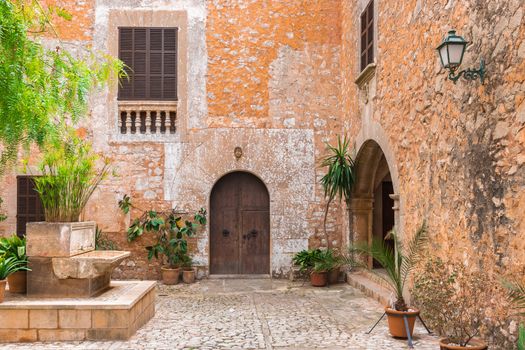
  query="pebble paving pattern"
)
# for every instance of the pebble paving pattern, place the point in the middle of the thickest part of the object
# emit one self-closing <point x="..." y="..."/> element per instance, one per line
<point x="257" y="314"/>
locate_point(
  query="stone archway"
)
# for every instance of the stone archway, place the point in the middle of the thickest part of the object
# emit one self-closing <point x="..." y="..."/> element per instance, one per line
<point x="374" y="208"/>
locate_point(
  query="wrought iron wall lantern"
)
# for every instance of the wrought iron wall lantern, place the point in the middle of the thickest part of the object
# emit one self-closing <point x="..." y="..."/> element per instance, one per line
<point x="451" y="52"/>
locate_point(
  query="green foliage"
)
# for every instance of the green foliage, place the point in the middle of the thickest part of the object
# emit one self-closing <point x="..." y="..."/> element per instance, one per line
<point x="11" y="265"/>
<point x="69" y="177"/>
<point x="398" y="262"/>
<point x="516" y="293"/>
<point x="452" y="299"/>
<point x="170" y="231"/>
<point x="40" y="88"/>
<point x="521" y="338"/>
<point x="103" y="242"/>
<point x="316" y="260"/>
<point x="340" y="177"/>
<point x="2" y="216"/>
<point x="516" y="290"/>
<point x="13" y="246"/>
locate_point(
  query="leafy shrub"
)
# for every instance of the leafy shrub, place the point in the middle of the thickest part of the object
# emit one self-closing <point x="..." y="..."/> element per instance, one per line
<point x="452" y="299"/>
<point x="103" y="242"/>
<point x="170" y="230"/>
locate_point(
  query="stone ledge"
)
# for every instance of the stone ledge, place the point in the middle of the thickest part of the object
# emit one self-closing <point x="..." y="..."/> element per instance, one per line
<point x="114" y="315"/>
<point x="366" y="75"/>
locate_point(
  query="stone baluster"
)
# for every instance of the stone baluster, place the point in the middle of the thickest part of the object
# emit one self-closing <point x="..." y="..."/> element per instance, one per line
<point x="147" y="122"/>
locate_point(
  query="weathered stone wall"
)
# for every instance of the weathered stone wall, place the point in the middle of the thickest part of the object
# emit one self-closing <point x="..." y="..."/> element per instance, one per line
<point x="262" y="75"/>
<point x="458" y="149"/>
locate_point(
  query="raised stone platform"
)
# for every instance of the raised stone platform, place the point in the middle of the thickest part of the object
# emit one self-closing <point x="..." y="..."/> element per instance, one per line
<point x="114" y="315"/>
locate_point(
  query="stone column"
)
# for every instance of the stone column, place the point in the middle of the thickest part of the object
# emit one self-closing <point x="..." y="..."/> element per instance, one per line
<point x="361" y="216"/>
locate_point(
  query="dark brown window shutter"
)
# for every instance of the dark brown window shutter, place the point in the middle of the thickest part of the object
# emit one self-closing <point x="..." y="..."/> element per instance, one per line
<point x="29" y="207"/>
<point x="151" y="55"/>
<point x="367" y="35"/>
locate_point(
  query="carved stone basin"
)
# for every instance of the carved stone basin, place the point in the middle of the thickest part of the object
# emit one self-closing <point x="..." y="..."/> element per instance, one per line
<point x="88" y="265"/>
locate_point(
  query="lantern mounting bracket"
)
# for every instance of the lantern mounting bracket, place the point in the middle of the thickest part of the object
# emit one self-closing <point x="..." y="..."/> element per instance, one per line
<point x="468" y="74"/>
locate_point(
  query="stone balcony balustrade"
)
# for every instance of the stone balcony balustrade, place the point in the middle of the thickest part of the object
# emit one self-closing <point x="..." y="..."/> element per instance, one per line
<point x="147" y="117"/>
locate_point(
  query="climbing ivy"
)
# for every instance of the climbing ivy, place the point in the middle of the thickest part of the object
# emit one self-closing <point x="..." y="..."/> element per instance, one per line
<point x="41" y="88"/>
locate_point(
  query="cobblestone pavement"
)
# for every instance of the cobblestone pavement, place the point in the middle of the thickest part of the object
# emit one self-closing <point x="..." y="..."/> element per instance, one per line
<point x="257" y="314"/>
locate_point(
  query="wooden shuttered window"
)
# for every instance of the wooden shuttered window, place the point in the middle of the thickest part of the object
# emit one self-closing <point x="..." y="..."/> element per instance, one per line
<point x="367" y="35"/>
<point x="29" y="207"/>
<point x="151" y="55"/>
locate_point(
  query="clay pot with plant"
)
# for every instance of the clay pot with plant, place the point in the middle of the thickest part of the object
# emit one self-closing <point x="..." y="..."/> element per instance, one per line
<point x="317" y="263"/>
<point x="8" y="266"/>
<point x="452" y="301"/>
<point x="188" y="272"/>
<point x="15" y="247"/>
<point x="171" y="233"/>
<point x="399" y="262"/>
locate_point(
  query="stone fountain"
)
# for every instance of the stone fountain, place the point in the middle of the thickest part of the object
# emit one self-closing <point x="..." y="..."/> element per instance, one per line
<point x="70" y="295"/>
<point x="64" y="262"/>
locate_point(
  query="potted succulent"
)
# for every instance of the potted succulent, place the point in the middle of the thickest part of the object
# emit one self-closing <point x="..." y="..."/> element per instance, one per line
<point x="171" y="232"/>
<point x="451" y="300"/>
<point x="188" y="272"/>
<point x="8" y="266"/>
<point x="399" y="262"/>
<point x="15" y="247"/>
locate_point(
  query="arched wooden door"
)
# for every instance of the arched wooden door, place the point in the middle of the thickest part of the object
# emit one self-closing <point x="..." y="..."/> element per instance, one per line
<point x="239" y="225"/>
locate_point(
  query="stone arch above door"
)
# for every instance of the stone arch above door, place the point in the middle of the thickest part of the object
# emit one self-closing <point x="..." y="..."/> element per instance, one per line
<point x="375" y="164"/>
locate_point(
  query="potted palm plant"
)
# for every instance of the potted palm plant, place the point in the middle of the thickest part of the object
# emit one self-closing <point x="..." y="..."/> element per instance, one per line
<point x="171" y="232"/>
<point x="15" y="247"/>
<point x="399" y="262"/>
<point x="339" y="180"/>
<point x="8" y="266"/>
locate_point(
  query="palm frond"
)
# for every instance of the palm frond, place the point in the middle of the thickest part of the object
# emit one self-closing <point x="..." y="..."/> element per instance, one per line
<point x="413" y="252"/>
<point x="517" y="294"/>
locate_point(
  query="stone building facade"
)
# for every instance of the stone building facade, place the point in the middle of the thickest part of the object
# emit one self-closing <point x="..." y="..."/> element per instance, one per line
<point x="280" y="78"/>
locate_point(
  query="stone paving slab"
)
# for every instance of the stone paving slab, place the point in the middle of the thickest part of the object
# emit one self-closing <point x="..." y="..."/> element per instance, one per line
<point x="257" y="314"/>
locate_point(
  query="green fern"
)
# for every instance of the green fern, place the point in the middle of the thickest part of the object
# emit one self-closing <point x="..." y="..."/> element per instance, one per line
<point x="521" y="338"/>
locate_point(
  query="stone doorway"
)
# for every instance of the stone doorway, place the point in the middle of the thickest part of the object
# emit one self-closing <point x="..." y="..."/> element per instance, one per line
<point x="374" y="206"/>
<point x="239" y="226"/>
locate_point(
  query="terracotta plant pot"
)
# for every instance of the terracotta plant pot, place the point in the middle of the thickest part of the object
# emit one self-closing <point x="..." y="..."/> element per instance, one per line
<point x="17" y="282"/>
<point x="2" y="290"/>
<point x="319" y="279"/>
<point x="188" y="275"/>
<point x="474" y="344"/>
<point x="333" y="276"/>
<point x="396" y="322"/>
<point x="170" y="276"/>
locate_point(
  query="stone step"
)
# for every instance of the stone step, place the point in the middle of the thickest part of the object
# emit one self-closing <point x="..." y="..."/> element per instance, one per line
<point x="375" y="276"/>
<point x="369" y="287"/>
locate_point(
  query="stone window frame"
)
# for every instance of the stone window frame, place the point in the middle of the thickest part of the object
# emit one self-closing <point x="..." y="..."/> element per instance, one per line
<point x="365" y="75"/>
<point x="150" y="18"/>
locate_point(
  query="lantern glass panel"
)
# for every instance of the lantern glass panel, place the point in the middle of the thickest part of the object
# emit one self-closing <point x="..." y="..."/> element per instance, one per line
<point x="443" y="54"/>
<point x="455" y="54"/>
